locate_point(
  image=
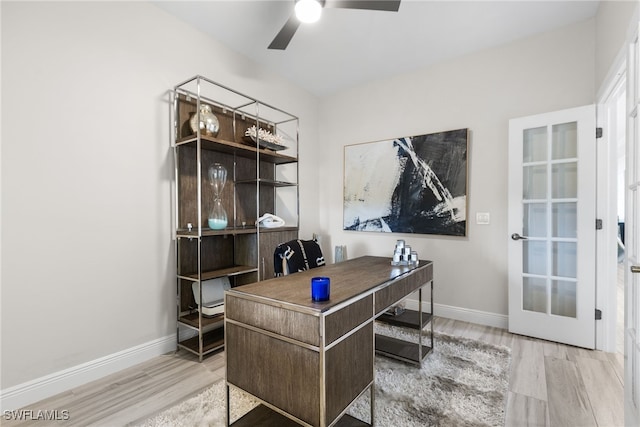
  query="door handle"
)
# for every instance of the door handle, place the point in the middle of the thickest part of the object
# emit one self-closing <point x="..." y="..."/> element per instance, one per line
<point x="635" y="268"/>
<point x="516" y="236"/>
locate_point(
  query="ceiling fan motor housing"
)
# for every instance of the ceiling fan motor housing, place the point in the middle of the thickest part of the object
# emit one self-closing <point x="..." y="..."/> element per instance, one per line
<point x="310" y="11"/>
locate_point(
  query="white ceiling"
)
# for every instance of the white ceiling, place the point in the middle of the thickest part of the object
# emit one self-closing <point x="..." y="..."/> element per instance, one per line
<point x="348" y="47"/>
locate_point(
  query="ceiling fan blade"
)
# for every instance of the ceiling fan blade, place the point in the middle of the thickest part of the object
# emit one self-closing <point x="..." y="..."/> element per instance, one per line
<point x="282" y="39"/>
<point x="385" y="5"/>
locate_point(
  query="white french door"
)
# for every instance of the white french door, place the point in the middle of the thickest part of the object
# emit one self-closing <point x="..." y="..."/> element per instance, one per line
<point x="632" y="240"/>
<point x="551" y="225"/>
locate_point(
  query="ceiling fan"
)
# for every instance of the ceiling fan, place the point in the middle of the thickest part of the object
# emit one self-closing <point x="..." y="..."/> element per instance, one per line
<point x="310" y="11"/>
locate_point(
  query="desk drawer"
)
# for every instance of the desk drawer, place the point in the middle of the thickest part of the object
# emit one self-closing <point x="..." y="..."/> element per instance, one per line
<point x="347" y="319"/>
<point x="288" y="323"/>
<point x="402" y="287"/>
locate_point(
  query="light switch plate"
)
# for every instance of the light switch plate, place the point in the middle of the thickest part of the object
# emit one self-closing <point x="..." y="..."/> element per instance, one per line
<point x="483" y="218"/>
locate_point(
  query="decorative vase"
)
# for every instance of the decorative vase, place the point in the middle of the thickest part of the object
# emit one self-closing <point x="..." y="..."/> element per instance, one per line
<point x="209" y="124"/>
<point x="217" y="179"/>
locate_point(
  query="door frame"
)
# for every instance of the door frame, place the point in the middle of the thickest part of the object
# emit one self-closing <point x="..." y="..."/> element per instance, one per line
<point x="606" y="209"/>
<point x="632" y="415"/>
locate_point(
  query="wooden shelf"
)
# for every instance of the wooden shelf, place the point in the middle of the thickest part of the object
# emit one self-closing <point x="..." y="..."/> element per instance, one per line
<point x="239" y="149"/>
<point x="276" y="229"/>
<point x="211" y="341"/>
<point x="400" y="349"/>
<point x="267" y="417"/>
<point x="408" y="319"/>
<point x="255" y="174"/>
<point x="191" y="320"/>
<point x="184" y="233"/>
<point x="223" y="272"/>
<point x="269" y="182"/>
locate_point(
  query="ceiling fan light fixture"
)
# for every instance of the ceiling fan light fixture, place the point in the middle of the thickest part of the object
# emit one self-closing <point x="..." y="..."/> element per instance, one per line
<point x="308" y="11"/>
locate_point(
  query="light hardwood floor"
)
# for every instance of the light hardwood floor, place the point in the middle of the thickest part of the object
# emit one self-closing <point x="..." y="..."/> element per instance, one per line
<point x="550" y="385"/>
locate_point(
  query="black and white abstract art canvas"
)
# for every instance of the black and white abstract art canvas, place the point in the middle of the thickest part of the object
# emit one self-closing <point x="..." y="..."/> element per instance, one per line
<point x="412" y="184"/>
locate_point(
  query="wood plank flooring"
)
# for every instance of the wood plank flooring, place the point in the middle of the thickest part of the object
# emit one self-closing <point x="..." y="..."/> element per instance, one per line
<point x="550" y="385"/>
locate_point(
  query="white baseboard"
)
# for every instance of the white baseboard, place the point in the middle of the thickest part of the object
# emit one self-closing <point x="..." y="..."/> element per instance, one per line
<point x="41" y="388"/>
<point x="464" y="314"/>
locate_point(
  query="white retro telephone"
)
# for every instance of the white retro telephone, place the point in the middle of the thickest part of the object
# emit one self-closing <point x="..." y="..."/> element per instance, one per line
<point x="270" y="221"/>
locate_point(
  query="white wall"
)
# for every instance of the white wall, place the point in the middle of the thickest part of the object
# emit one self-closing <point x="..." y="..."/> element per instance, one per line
<point x="87" y="256"/>
<point x="481" y="92"/>
<point x="612" y="23"/>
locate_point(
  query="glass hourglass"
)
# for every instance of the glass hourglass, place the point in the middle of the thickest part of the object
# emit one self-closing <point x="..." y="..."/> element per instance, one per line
<point x="217" y="179"/>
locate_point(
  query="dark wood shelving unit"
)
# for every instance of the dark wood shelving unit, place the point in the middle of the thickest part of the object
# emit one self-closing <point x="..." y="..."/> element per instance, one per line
<point x="241" y="252"/>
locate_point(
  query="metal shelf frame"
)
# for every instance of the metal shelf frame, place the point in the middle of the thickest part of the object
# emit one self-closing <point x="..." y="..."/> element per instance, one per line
<point x="243" y="109"/>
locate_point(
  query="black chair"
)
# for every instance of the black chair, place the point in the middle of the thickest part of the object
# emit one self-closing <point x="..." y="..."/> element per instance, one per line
<point x="297" y="255"/>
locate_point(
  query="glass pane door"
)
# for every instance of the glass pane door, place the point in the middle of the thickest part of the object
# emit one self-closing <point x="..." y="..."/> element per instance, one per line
<point x="552" y="200"/>
<point x="550" y="219"/>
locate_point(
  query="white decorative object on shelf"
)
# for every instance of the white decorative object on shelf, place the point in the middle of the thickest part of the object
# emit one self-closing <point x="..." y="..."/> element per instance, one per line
<point x="265" y="138"/>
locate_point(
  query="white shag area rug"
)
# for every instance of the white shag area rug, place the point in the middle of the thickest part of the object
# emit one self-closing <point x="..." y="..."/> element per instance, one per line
<point x="462" y="383"/>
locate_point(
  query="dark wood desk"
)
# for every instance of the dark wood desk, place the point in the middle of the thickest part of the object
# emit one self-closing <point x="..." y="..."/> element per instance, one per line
<point x="308" y="361"/>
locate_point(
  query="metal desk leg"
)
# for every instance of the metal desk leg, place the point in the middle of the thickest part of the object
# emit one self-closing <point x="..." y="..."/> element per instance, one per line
<point x="228" y="421"/>
<point x="373" y="401"/>
<point x="420" y="326"/>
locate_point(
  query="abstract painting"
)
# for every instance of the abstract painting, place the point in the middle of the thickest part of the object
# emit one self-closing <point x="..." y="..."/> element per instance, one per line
<point x="414" y="184"/>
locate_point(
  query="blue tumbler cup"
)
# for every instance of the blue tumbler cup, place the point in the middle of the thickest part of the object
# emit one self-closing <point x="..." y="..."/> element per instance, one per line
<point x="320" y="288"/>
